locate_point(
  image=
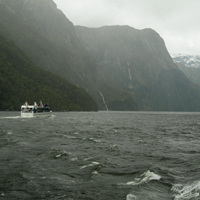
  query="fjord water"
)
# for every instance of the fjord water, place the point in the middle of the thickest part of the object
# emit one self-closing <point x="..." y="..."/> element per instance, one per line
<point x="100" y="156"/>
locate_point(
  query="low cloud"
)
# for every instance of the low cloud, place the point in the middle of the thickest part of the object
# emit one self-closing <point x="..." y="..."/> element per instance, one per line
<point x="177" y="21"/>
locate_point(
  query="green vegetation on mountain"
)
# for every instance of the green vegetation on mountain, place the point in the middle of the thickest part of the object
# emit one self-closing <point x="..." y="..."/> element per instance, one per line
<point x="21" y="80"/>
<point x="120" y="67"/>
<point x="48" y="38"/>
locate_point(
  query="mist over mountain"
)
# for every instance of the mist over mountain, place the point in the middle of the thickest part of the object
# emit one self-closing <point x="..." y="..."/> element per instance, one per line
<point x="122" y="68"/>
<point x="136" y="61"/>
<point x="21" y="80"/>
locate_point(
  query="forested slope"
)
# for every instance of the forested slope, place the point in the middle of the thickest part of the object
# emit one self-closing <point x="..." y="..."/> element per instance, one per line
<point x="21" y="80"/>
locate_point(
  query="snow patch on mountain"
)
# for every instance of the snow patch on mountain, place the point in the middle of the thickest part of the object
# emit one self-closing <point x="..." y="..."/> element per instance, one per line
<point x="187" y="60"/>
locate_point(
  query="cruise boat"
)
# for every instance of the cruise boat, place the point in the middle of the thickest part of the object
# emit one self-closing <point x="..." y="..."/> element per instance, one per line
<point x="35" y="108"/>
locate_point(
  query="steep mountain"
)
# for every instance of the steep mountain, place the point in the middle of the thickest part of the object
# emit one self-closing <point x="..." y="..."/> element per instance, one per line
<point x="120" y="67"/>
<point x="187" y="60"/>
<point x="50" y="41"/>
<point x="21" y="80"/>
<point x="192" y="73"/>
<point x="41" y="31"/>
<point x="137" y="61"/>
<point x="189" y="65"/>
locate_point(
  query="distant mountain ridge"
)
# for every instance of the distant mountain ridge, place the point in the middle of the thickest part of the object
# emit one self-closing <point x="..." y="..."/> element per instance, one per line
<point x="122" y="68"/>
<point x="187" y="60"/>
<point x="189" y="65"/>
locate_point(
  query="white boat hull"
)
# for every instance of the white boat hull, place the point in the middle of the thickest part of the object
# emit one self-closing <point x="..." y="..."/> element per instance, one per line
<point x="28" y="110"/>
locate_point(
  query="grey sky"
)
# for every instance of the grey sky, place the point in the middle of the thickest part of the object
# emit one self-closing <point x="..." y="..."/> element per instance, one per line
<point x="177" y="21"/>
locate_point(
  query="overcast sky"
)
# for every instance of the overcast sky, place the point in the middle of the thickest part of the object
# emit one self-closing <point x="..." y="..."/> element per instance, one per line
<point x="177" y="21"/>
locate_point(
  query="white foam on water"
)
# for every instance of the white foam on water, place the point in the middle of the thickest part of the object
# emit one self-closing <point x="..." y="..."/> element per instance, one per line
<point x="130" y="197"/>
<point x="12" y="117"/>
<point x="95" y="173"/>
<point x="72" y="137"/>
<point x="27" y="115"/>
<point x="74" y="159"/>
<point x="144" y="178"/>
<point x="62" y="153"/>
<point x="187" y="192"/>
<point x="113" y="146"/>
<point x="90" y="165"/>
<point x="89" y="158"/>
<point x="9" y="132"/>
<point x="58" y="156"/>
<point x="51" y="116"/>
<point x="95" y="140"/>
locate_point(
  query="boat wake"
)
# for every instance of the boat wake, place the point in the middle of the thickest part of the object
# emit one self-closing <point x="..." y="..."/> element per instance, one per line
<point x="11" y="117"/>
<point x="24" y="116"/>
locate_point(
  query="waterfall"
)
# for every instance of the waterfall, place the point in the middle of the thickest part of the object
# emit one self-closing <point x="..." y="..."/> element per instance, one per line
<point x="104" y="102"/>
<point x="129" y="73"/>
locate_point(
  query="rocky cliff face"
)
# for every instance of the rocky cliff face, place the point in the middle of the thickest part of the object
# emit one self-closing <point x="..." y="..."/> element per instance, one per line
<point x="138" y="62"/>
<point x="49" y="39"/>
<point x="120" y="67"/>
<point x="39" y="17"/>
<point x="46" y="36"/>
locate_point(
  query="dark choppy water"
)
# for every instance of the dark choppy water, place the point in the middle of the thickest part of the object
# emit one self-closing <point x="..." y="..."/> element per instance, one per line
<point x="100" y="156"/>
